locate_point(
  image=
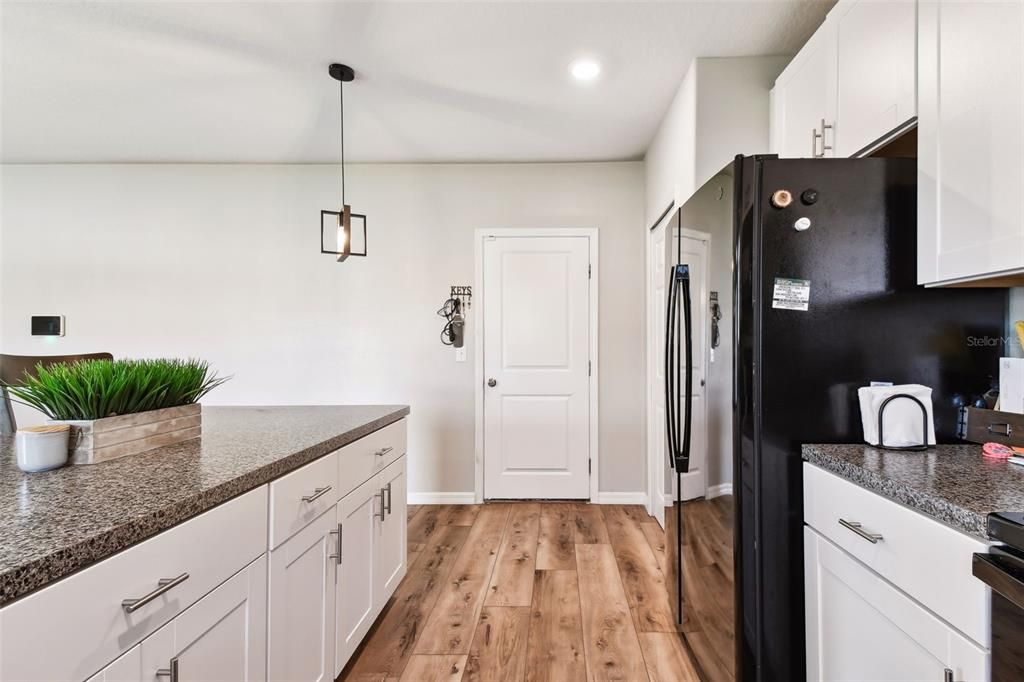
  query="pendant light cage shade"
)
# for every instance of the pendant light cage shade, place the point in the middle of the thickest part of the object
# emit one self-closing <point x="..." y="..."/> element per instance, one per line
<point x="342" y="233"/>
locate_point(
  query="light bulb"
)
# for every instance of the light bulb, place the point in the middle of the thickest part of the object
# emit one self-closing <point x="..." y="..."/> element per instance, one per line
<point x="585" y="69"/>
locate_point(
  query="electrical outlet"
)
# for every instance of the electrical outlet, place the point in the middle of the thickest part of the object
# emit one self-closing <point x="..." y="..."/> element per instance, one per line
<point x="460" y="355"/>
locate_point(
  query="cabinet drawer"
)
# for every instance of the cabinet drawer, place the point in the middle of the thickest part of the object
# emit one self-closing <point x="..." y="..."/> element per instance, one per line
<point x="73" y="628"/>
<point x="926" y="559"/>
<point x="301" y="496"/>
<point x="360" y="460"/>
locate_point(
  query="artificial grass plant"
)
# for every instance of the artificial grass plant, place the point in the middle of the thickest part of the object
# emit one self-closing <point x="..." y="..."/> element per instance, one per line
<point x="93" y="389"/>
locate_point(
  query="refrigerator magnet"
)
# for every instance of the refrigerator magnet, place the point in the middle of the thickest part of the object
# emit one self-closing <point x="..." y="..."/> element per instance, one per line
<point x="791" y="294"/>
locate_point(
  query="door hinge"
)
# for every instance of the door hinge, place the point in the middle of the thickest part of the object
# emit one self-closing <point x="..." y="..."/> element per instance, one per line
<point x="590" y="271"/>
<point x="590" y="368"/>
<point x="590" y="466"/>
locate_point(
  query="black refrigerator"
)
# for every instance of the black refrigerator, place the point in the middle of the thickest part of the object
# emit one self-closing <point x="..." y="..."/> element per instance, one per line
<point x="825" y="301"/>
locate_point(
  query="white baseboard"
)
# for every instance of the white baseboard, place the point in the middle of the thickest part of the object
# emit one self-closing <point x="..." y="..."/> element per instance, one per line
<point x="621" y="498"/>
<point x="470" y="498"/>
<point x="719" y="490"/>
<point x="442" y="498"/>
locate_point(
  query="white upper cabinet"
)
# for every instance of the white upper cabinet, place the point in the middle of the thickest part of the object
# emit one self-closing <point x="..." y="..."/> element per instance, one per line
<point x="852" y="85"/>
<point x="876" y="61"/>
<point x="970" y="141"/>
<point x="803" y="100"/>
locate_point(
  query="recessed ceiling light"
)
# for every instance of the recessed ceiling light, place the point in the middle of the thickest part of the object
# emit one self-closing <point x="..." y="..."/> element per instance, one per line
<point x="585" y="69"/>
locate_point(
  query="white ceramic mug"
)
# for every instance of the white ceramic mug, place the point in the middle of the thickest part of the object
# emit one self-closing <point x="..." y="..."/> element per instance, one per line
<point x="41" y="448"/>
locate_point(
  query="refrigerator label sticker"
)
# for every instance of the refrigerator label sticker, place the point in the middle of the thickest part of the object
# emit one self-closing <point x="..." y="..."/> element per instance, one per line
<point x="791" y="294"/>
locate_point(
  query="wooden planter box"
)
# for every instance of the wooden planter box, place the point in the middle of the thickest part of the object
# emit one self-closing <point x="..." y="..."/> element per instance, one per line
<point x="100" y="440"/>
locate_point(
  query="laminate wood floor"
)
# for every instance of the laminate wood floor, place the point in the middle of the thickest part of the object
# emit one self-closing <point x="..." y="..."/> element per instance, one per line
<point x="528" y="592"/>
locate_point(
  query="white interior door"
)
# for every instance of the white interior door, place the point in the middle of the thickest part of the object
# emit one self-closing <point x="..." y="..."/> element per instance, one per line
<point x="657" y="459"/>
<point x="536" y="307"/>
<point x="695" y="254"/>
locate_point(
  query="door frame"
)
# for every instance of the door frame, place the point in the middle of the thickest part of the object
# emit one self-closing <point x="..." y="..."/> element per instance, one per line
<point x="655" y="465"/>
<point x="479" y="235"/>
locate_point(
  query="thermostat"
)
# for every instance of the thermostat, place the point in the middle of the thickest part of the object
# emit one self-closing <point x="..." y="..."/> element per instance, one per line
<point x="47" y="325"/>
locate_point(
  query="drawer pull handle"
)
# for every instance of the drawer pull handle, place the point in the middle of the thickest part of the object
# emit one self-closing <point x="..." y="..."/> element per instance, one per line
<point x="317" y="492"/>
<point x="387" y="489"/>
<point x="873" y="538"/>
<point x="171" y="673"/>
<point x="384" y="451"/>
<point x="1007" y="429"/>
<point x="337" y="555"/>
<point x="164" y="586"/>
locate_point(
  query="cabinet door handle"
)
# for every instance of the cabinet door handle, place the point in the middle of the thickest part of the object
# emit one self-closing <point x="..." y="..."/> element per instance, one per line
<point x="317" y="492"/>
<point x="337" y="555"/>
<point x="171" y="673"/>
<point x="163" y="586"/>
<point x="387" y="489"/>
<point x="825" y="147"/>
<point x="381" y="496"/>
<point x="383" y="451"/>
<point x="814" y="142"/>
<point x="873" y="538"/>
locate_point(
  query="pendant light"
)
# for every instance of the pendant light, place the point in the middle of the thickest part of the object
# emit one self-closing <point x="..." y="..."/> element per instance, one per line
<point x="337" y="225"/>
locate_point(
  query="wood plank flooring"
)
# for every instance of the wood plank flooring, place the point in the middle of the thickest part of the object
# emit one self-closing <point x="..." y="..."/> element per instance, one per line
<point x="523" y="592"/>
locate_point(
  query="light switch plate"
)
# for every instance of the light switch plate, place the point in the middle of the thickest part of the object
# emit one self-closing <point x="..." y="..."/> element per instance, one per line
<point x="460" y="354"/>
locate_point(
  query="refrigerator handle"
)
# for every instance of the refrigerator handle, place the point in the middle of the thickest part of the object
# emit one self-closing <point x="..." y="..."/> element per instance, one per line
<point x="670" y="370"/>
<point x="683" y="276"/>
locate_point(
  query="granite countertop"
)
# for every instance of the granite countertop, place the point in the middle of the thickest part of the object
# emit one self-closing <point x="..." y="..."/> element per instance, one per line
<point x="954" y="484"/>
<point x="55" y="523"/>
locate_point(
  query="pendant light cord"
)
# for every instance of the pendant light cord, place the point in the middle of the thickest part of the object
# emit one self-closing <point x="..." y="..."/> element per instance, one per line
<point x="341" y="89"/>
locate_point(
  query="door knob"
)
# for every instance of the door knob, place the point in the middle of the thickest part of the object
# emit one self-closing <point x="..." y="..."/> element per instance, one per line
<point x="492" y="383"/>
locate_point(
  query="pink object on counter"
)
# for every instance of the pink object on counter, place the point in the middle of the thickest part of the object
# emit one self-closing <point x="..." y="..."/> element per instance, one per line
<point x="997" y="451"/>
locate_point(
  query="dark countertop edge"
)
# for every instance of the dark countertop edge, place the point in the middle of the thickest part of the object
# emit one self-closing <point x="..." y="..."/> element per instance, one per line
<point x="936" y="508"/>
<point x="71" y="559"/>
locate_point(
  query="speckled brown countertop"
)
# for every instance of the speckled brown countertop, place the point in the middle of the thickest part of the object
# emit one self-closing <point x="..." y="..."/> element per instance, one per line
<point x="951" y="483"/>
<point x="55" y="523"/>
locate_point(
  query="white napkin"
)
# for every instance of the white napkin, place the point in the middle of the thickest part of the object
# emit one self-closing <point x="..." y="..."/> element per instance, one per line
<point x="902" y="426"/>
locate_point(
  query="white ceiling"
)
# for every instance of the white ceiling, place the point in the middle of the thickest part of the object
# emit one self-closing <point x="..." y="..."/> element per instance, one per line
<point x="436" y="81"/>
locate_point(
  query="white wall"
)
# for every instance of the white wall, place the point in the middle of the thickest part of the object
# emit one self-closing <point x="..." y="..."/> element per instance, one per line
<point x="720" y="110"/>
<point x="221" y="262"/>
<point x="669" y="163"/>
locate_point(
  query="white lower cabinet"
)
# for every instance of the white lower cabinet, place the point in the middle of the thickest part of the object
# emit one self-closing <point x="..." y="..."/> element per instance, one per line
<point x="301" y="613"/>
<point x="391" y="533"/>
<point x="220" y="638"/>
<point x="128" y="668"/>
<point x="249" y="591"/>
<point x="889" y="593"/>
<point x="355" y="604"/>
<point x="861" y="628"/>
<point x="372" y="524"/>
